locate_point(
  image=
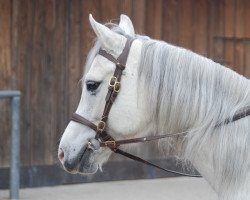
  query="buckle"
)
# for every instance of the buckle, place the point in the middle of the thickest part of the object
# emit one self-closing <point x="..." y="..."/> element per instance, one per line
<point x="112" y="81"/>
<point x="117" y="87"/>
<point x="111" y="144"/>
<point x="101" y="126"/>
<point x="115" y="84"/>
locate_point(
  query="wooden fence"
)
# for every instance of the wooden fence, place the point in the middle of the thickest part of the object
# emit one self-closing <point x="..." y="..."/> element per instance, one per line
<point x="44" y="43"/>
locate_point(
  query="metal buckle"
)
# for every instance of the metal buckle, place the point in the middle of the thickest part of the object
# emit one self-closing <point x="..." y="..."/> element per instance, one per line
<point x="114" y="84"/>
<point x="117" y="86"/>
<point x="101" y="126"/>
<point x="112" y="81"/>
<point x="111" y="144"/>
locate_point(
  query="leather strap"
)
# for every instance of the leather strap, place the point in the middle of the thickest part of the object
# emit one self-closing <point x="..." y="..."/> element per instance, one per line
<point x="113" y="90"/>
<point x="79" y="119"/>
<point x="120" y="63"/>
<point x="124" y="55"/>
<point x="239" y="115"/>
<point x="138" y="159"/>
<point x="84" y="121"/>
<point x="117" y="143"/>
<point x="110" y="58"/>
<point x="140" y="139"/>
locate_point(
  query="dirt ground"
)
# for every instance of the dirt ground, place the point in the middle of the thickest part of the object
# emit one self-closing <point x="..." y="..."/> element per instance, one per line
<point x="161" y="189"/>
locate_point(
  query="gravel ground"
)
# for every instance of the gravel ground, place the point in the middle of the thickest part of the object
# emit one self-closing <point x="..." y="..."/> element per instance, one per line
<point x="160" y="189"/>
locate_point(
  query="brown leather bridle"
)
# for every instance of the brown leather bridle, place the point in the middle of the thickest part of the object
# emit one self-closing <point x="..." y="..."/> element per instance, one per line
<point x="105" y="139"/>
<point x="113" y="90"/>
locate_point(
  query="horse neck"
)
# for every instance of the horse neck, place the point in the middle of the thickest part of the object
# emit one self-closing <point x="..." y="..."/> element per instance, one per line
<point x="186" y="92"/>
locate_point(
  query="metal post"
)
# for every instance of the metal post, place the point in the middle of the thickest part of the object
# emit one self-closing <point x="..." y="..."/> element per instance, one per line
<point x="15" y="142"/>
<point x="15" y="149"/>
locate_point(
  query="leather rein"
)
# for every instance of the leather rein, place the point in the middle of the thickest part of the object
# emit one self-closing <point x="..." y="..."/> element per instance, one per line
<point x="105" y="139"/>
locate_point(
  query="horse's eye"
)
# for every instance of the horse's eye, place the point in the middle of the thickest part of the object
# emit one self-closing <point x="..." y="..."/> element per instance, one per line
<point x="92" y="85"/>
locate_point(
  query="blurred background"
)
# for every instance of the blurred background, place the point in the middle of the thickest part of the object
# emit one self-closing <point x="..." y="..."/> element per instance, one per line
<point x="43" y="47"/>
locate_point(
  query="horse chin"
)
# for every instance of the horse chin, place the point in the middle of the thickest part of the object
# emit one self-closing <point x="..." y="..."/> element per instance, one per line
<point x="89" y="161"/>
<point x="91" y="169"/>
<point x="87" y="164"/>
<point x="94" y="161"/>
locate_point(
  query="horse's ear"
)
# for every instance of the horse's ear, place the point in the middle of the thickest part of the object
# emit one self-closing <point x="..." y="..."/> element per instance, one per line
<point x="109" y="39"/>
<point x="126" y="25"/>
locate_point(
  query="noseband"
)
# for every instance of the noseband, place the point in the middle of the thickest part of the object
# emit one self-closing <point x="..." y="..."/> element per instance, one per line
<point x="105" y="139"/>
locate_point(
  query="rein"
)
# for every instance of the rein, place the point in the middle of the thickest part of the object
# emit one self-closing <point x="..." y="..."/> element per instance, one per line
<point x="106" y="140"/>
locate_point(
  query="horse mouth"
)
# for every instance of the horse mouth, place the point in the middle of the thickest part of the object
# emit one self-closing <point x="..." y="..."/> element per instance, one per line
<point x="87" y="164"/>
<point x="83" y="164"/>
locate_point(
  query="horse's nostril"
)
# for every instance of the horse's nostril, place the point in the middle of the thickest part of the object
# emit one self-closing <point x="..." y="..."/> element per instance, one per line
<point x="61" y="155"/>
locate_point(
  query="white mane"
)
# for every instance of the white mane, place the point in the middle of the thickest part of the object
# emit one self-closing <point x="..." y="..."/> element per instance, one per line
<point x="186" y="91"/>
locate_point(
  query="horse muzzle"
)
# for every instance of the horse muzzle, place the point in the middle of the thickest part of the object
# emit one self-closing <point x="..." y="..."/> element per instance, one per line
<point x="81" y="162"/>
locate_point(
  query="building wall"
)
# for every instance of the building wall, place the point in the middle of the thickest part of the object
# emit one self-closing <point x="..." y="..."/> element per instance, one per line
<point x="44" y="43"/>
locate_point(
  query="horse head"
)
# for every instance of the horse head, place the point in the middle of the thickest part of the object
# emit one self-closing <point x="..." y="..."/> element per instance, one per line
<point x="128" y="115"/>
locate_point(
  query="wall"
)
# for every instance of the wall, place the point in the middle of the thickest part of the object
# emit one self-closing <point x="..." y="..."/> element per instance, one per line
<point x="44" y="43"/>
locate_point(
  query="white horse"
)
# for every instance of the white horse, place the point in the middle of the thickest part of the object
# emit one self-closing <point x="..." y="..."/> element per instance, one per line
<point x="165" y="89"/>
